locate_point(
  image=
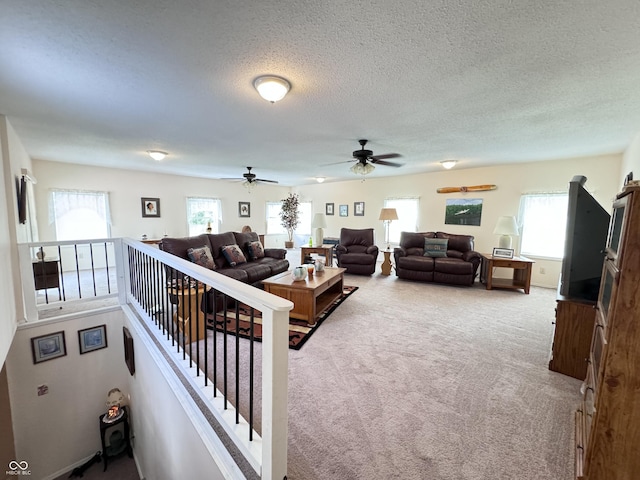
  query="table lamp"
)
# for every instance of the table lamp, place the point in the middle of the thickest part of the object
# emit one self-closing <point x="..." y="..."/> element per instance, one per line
<point x="387" y="215"/>
<point x="319" y="222"/>
<point x="506" y="228"/>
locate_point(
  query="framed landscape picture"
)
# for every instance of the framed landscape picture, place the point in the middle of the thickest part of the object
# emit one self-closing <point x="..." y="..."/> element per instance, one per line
<point x="48" y="347"/>
<point x="463" y="211"/>
<point x="93" y="338"/>
<point x="344" y="210"/>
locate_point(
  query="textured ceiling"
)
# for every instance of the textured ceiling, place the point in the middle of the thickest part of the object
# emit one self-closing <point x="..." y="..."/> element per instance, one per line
<point x="486" y="82"/>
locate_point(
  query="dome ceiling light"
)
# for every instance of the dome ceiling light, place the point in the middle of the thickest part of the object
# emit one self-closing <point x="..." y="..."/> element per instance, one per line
<point x="157" y="154"/>
<point x="272" y="88"/>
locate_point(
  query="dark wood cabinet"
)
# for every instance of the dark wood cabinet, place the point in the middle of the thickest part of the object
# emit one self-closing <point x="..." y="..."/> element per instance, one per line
<point x="46" y="273"/>
<point x="608" y="418"/>
<point x="572" y="337"/>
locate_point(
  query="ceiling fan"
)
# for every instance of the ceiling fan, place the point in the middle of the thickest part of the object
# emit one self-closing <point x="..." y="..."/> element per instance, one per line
<point x="365" y="159"/>
<point x="250" y="179"/>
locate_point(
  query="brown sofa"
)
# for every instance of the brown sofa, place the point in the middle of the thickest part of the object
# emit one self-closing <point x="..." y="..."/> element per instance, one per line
<point x="458" y="266"/>
<point x="252" y="272"/>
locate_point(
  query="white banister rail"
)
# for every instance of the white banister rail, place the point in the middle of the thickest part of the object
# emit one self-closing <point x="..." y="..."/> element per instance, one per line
<point x="266" y="453"/>
<point x="142" y="285"/>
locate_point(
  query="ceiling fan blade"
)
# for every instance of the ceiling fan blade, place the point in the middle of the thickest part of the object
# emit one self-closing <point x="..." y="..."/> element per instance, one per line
<point x="385" y="156"/>
<point x="388" y="164"/>
<point x="340" y="162"/>
<point x="263" y="180"/>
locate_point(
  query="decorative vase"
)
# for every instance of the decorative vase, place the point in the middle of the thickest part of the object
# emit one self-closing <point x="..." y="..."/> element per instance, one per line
<point x="319" y="265"/>
<point x="299" y="273"/>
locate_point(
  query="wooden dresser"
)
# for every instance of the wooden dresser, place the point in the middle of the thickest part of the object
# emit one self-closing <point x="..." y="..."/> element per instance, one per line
<point x="607" y="421"/>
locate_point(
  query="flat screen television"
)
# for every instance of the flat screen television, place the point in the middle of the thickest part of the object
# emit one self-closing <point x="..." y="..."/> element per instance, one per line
<point x="585" y="241"/>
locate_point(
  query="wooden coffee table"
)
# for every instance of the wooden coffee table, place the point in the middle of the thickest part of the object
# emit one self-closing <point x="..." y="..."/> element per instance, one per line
<point x="309" y="296"/>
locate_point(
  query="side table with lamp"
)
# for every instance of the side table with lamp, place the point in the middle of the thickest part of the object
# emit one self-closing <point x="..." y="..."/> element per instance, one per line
<point x="117" y="414"/>
<point x="387" y="215"/>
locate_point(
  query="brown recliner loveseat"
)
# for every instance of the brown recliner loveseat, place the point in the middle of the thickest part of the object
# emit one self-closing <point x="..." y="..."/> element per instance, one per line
<point x="356" y="251"/>
<point x="443" y="258"/>
<point x="271" y="262"/>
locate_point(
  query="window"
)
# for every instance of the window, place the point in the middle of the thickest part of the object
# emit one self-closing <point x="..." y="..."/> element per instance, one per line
<point x="407" y="209"/>
<point x="203" y="213"/>
<point x="274" y="227"/>
<point x="543" y="218"/>
<point x="79" y="215"/>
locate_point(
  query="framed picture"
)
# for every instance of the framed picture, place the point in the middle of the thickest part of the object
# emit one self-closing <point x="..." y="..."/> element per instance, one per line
<point x="328" y="208"/>
<point x="129" y="357"/>
<point x="150" y="207"/>
<point x="344" y="210"/>
<point x="244" y="209"/>
<point x="358" y="209"/>
<point x="463" y="211"/>
<point x="93" y="338"/>
<point x="48" y="347"/>
<point x="503" y="252"/>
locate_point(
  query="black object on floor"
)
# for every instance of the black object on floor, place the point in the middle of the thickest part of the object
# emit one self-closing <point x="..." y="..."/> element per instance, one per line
<point x="79" y="471"/>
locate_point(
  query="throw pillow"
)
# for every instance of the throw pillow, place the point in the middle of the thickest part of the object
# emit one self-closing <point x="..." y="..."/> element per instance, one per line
<point x="435" y="247"/>
<point x="233" y="254"/>
<point x="202" y="256"/>
<point x="256" y="250"/>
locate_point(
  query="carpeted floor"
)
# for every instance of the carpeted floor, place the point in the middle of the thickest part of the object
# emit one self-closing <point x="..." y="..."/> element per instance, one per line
<point x="407" y="380"/>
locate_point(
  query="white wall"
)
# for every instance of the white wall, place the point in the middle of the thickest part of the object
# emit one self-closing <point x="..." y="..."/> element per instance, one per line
<point x="631" y="160"/>
<point x="126" y="188"/>
<point x="602" y="172"/>
<point x="13" y="158"/>
<point x="56" y="430"/>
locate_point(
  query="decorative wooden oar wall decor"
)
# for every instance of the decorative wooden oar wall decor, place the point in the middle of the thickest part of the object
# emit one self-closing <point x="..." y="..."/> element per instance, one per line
<point x="473" y="188"/>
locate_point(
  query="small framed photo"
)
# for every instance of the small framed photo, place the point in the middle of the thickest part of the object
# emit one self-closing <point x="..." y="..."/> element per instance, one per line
<point x="503" y="252"/>
<point x="244" y="209"/>
<point x="150" y="207"/>
<point x="48" y="347"/>
<point x="328" y="208"/>
<point x="344" y="210"/>
<point x="93" y="338"/>
<point x="358" y="209"/>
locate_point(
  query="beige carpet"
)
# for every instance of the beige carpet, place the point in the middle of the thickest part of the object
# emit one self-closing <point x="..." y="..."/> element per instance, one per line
<point x="420" y="381"/>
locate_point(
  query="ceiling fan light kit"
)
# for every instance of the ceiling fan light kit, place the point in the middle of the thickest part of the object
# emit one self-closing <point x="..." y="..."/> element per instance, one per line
<point x="157" y="155"/>
<point x="271" y="88"/>
<point x="448" y="164"/>
<point x="366" y="159"/>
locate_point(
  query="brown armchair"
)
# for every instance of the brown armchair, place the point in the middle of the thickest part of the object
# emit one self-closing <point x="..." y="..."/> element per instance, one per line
<point x="356" y="251"/>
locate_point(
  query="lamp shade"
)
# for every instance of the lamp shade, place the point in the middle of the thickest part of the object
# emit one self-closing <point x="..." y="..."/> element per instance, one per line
<point x="388" y="214"/>
<point x="319" y="221"/>
<point x="506" y="226"/>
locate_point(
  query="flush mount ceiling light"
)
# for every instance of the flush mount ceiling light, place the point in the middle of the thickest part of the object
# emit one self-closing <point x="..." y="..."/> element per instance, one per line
<point x="448" y="164"/>
<point x="157" y="154"/>
<point x="271" y="88"/>
<point x="320" y="179"/>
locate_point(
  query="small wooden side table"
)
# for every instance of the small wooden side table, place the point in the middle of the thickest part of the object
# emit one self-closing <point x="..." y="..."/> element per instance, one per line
<point x="326" y="250"/>
<point x="521" y="272"/>
<point x="386" y="265"/>
<point x="189" y="301"/>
